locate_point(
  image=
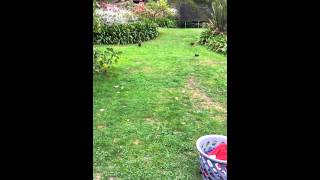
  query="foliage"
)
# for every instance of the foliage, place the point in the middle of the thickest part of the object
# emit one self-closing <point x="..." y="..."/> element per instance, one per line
<point x="120" y="25"/>
<point x="166" y="22"/>
<point x="158" y="9"/>
<point x="139" y="8"/>
<point x="103" y="58"/>
<point x="97" y="24"/>
<point x="110" y="14"/>
<point x="126" y="33"/>
<point x="157" y="12"/>
<point x="149" y="112"/>
<point x="214" y="40"/>
<point x="192" y="3"/>
<point x="220" y="14"/>
<point x="215" y="37"/>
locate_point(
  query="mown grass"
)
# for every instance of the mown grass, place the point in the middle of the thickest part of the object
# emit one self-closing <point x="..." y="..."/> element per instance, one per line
<point x="150" y="108"/>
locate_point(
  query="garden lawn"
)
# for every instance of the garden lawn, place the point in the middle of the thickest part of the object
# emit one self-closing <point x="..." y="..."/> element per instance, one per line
<point x="152" y="106"/>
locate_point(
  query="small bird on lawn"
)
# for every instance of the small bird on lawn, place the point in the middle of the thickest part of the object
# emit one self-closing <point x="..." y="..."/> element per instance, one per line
<point x="192" y="43"/>
<point x="196" y="55"/>
<point x="139" y="44"/>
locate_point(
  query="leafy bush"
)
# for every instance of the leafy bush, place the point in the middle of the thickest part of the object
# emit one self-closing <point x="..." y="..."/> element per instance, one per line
<point x="97" y="24"/>
<point x="215" y="37"/>
<point x="126" y="33"/>
<point x="120" y="25"/>
<point x="139" y="8"/>
<point x="103" y="58"/>
<point x="158" y="9"/>
<point x="214" y="40"/>
<point x="166" y="22"/>
<point x="157" y="12"/>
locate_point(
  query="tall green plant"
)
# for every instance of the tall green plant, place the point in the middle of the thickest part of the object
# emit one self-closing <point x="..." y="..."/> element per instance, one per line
<point x="220" y="14"/>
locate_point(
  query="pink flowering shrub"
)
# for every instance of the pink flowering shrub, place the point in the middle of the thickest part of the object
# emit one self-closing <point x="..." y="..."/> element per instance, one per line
<point x="108" y="7"/>
<point x="139" y="9"/>
<point x="111" y="14"/>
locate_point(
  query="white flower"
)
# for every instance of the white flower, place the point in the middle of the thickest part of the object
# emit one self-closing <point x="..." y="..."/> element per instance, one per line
<point x="116" y="16"/>
<point x="173" y="10"/>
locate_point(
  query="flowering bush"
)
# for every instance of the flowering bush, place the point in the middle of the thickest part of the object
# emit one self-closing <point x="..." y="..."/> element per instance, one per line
<point x="139" y="9"/>
<point x="111" y="14"/>
<point x="173" y="11"/>
<point x="115" y="25"/>
<point x="120" y="16"/>
<point x="160" y="9"/>
<point x="157" y="12"/>
<point x="108" y="7"/>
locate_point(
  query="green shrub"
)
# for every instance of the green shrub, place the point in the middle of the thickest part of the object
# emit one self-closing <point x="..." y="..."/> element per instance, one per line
<point x="215" y="37"/>
<point x="214" y="40"/>
<point x="103" y="58"/>
<point x="126" y="33"/>
<point x="165" y="22"/>
<point x="97" y="24"/>
<point x="162" y="22"/>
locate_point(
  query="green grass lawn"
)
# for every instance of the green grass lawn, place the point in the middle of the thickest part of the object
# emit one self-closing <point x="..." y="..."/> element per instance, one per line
<point x="154" y="104"/>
